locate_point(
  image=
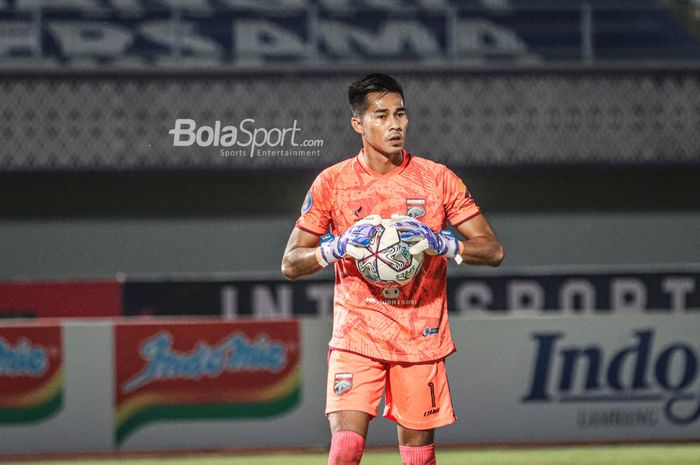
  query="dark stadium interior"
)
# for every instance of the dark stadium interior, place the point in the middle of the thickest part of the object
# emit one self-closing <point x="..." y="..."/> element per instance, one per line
<point x="229" y="194"/>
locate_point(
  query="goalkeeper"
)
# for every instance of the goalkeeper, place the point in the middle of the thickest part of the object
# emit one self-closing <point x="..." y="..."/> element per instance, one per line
<point x="382" y="344"/>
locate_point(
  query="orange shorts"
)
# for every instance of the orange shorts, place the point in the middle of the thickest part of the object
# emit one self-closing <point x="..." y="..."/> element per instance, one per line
<point x="417" y="394"/>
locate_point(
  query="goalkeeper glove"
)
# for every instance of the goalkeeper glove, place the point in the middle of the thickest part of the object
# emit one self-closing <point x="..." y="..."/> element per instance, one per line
<point x="425" y="240"/>
<point x="333" y="248"/>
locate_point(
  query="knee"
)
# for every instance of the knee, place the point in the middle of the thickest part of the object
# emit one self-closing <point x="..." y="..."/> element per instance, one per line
<point x="415" y="437"/>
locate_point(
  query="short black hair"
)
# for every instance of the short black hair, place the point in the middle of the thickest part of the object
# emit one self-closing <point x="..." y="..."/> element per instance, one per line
<point x="375" y="82"/>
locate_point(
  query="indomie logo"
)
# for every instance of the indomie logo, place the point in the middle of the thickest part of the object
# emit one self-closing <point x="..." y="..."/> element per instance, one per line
<point x="233" y="354"/>
<point x="636" y="373"/>
<point x="24" y="359"/>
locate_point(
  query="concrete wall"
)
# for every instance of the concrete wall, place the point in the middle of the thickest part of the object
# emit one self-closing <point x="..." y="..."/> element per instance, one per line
<point x="88" y="247"/>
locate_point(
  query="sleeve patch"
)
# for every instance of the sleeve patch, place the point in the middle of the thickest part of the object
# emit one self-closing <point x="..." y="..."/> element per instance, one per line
<point x="308" y="203"/>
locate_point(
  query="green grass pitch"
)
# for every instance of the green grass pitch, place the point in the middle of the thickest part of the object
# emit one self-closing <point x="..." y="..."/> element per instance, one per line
<point x="667" y="454"/>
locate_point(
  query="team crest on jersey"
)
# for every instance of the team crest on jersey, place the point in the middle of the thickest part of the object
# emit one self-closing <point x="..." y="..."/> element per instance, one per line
<point x="415" y="208"/>
<point x="342" y="384"/>
<point x="308" y="203"/>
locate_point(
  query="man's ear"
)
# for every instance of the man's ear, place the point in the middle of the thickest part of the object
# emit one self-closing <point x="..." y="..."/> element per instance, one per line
<point x="357" y="125"/>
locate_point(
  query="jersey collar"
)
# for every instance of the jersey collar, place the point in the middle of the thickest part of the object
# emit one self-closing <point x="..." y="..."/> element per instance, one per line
<point x="397" y="170"/>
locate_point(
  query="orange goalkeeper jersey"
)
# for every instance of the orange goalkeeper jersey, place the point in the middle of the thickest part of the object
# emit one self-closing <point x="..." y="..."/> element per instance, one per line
<point x="411" y="325"/>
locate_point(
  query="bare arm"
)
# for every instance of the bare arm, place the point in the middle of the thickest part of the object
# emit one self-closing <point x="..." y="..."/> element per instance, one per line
<point x="481" y="246"/>
<point x="300" y="257"/>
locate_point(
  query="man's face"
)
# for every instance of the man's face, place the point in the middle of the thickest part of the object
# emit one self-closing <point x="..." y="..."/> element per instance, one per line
<point x="383" y="125"/>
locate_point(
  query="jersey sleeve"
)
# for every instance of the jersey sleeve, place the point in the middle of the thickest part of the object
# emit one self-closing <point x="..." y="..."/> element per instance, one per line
<point x="315" y="211"/>
<point x="459" y="203"/>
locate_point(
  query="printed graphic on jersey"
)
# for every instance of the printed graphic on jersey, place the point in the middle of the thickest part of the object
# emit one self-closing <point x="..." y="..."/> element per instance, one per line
<point x="367" y="320"/>
<point x="342" y="384"/>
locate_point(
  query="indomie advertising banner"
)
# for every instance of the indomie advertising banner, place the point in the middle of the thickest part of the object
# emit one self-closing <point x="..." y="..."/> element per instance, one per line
<point x="211" y="370"/>
<point x="31" y="373"/>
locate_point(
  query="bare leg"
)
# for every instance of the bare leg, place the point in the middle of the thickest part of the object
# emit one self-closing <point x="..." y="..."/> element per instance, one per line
<point x="350" y="420"/>
<point x="415" y="437"/>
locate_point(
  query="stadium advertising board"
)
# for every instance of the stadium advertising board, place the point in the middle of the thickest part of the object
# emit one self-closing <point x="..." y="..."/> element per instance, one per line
<point x="530" y="294"/>
<point x="636" y="373"/>
<point x="31" y="373"/>
<point x="204" y="371"/>
<point x="59" y="299"/>
<point x="567" y="379"/>
<point x="198" y="385"/>
<point x="576" y="293"/>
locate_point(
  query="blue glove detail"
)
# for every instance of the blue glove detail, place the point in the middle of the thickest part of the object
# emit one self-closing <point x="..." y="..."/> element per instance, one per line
<point x="425" y="240"/>
<point x="360" y="234"/>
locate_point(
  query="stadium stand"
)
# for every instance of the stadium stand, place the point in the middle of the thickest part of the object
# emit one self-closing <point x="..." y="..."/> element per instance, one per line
<point x="124" y="33"/>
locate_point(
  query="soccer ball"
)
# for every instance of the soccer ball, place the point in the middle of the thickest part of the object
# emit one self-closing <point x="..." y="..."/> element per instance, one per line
<point x="386" y="261"/>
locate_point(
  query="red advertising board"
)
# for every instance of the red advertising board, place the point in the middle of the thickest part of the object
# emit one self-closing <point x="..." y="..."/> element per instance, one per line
<point x="60" y="299"/>
<point x="204" y="370"/>
<point x="31" y="373"/>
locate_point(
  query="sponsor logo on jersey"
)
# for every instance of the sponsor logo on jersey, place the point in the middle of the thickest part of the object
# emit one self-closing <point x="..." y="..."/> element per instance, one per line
<point x="431" y="331"/>
<point x="342" y="384"/>
<point x="415" y="208"/>
<point x="431" y="412"/>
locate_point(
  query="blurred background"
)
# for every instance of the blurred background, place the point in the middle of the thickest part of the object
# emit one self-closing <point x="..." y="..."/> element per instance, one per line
<point x="575" y="124"/>
<point x="154" y="155"/>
